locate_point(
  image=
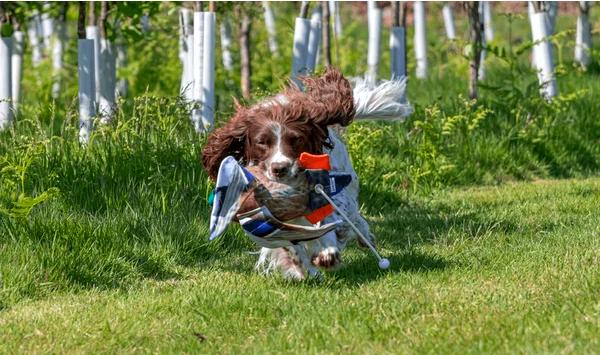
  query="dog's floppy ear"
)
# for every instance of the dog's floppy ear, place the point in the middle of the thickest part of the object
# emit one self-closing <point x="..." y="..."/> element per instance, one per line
<point x="227" y="140"/>
<point x="328" y="98"/>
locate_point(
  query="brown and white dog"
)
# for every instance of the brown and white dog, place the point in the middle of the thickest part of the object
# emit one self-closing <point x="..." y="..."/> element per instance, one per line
<point x="271" y="135"/>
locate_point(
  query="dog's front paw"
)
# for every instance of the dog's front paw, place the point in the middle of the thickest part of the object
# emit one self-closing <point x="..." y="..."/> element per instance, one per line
<point x="328" y="258"/>
<point x="294" y="273"/>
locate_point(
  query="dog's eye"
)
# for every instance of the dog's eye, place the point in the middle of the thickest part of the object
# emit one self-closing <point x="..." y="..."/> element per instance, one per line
<point x="298" y="142"/>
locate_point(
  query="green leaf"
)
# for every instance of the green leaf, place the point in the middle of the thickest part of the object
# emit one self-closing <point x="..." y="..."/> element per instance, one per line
<point x="6" y="30"/>
<point x="24" y="204"/>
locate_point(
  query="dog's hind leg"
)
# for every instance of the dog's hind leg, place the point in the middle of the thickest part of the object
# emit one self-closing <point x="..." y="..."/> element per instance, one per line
<point x="293" y="262"/>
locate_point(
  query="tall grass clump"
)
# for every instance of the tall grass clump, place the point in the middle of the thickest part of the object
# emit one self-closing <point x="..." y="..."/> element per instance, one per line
<point x="129" y="205"/>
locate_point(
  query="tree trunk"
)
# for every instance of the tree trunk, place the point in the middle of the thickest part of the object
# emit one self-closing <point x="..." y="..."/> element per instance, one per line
<point x="103" y="18"/>
<point x="304" y="9"/>
<point x="5" y="16"/>
<point x="246" y="67"/>
<point x="403" y="13"/>
<point x="326" y="28"/>
<point x="396" y="13"/>
<point x="92" y="14"/>
<point x="81" y="20"/>
<point x="475" y="36"/>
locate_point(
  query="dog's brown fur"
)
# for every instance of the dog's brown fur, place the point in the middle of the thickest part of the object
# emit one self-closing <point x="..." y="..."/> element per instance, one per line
<point x="303" y="116"/>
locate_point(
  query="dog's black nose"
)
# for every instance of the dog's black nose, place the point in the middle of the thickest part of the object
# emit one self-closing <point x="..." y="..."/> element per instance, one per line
<point x="280" y="169"/>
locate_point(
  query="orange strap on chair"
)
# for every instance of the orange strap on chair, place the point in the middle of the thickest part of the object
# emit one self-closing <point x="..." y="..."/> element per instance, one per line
<point x="311" y="161"/>
<point x="317" y="162"/>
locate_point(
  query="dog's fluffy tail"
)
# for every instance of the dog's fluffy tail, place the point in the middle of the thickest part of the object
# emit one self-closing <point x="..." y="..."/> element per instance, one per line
<point x="385" y="101"/>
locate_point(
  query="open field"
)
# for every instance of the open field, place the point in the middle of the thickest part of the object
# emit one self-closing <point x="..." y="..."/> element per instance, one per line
<point x="509" y="269"/>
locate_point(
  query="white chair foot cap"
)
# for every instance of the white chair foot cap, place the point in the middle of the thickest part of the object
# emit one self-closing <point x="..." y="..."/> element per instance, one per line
<point x="384" y="264"/>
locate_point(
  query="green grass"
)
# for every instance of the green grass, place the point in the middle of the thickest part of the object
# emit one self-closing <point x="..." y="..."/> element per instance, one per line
<point x="103" y="247"/>
<point x="509" y="269"/>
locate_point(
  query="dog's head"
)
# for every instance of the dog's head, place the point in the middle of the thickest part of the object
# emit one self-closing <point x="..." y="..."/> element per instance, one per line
<point x="273" y="133"/>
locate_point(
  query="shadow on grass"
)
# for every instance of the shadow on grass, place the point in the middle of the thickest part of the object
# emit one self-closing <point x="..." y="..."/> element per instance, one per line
<point x="364" y="269"/>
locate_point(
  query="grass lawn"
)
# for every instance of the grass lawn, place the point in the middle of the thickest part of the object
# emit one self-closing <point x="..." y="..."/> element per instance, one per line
<point x="510" y="269"/>
<point x="103" y="248"/>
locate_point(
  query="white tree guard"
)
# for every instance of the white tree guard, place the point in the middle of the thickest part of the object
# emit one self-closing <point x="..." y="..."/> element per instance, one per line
<point x="197" y="70"/>
<point x="484" y="7"/>
<point x="270" y="25"/>
<point x="145" y="22"/>
<point x="481" y="70"/>
<point x="93" y="33"/>
<point x="185" y="28"/>
<point x="208" y="75"/>
<point x="122" y="85"/>
<point x="552" y="10"/>
<point x="543" y="55"/>
<point x="47" y="28"/>
<point x="374" y="25"/>
<point x="87" y="89"/>
<point x="449" y="21"/>
<point x="187" y="84"/>
<point x="226" y="41"/>
<point x="6" y="110"/>
<point x="33" y="33"/>
<point x="300" y="50"/>
<point x="314" y="41"/>
<point x="486" y="12"/>
<point x="57" y="56"/>
<point x="334" y="13"/>
<point x="186" y="52"/>
<point x="530" y="9"/>
<point x="530" y="12"/>
<point x="398" y="52"/>
<point x="17" y="67"/>
<point x="420" y="39"/>
<point x="107" y="79"/>
<point x="583" y="40"/>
